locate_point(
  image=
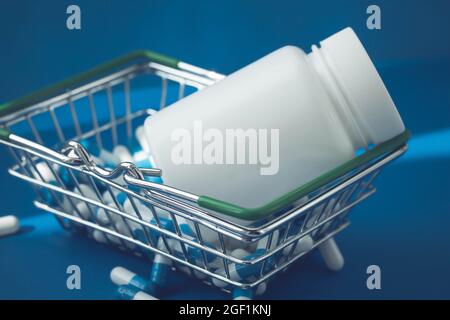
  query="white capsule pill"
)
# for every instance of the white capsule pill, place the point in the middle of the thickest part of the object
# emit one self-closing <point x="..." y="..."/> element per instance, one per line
<point x="232" y="243"/>
<point x="247" y="294"/>
<point x="161" y="213"/>
<point x="331" y="254"/>
<point x="261" y="246"/>
<point x="43" y="171"/>
<point x="142" y="160"/>
<point x="160" y="269"/>
<point x="104" y="237"/>
<point x="303" y="245"/>
<point x="144" y="211"/>
<point x="66" y="206"/>
<point x="238" y="254"/>
<point x="131" y="293"/>
<point x="107" y="217"/>
<point x="142" y="139"/>
<point x="83" y="208"/>
<point x="99" y="236"/>
<point x="9" y="225"/>
<point x="143" y="296"/>
<point x="162" y="259"/>
<point x="217" y="263"/>
<point x="106" y="195"/>
<point x="189" y="271"/>
<point x="124" y="230"/>
<point x="122" y="276"/>
<point x="122" y="153"/>
<point x="208" y="235"/>
<point x="108" y="158"/>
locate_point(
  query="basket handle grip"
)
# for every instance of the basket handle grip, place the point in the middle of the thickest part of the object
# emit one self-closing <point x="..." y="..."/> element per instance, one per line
<point x="4" y="134"/>
<point x="47" y="92"/>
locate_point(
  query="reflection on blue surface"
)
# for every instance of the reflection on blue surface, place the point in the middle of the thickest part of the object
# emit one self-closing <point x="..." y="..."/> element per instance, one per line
<point x="432" y="145"/>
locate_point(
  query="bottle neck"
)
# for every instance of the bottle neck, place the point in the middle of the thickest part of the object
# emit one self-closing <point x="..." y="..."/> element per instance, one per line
<point x="340" y="99"/>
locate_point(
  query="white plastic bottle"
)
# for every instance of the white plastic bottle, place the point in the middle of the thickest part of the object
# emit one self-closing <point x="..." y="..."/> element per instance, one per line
<point x="325" y="105"/>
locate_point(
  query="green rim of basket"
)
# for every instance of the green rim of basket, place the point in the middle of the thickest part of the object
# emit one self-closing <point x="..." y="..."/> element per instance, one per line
<point x="298" y="193"/>
<point x="49" y="91"/>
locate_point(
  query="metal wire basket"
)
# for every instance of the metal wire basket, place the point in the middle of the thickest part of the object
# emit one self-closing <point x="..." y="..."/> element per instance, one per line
<point x="43" y="131"/>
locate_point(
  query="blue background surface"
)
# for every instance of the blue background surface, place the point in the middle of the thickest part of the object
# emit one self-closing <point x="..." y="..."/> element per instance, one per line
<point x="404" y="228"/>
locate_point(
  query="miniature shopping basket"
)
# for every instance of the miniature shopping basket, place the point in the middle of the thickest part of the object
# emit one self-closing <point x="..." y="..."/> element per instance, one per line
<point x="101" y="106"/>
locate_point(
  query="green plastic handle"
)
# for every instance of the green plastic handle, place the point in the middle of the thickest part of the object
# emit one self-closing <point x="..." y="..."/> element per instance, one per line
<point x="4" y="134"/>
<point x="298" y="193"/>
<point x="83" y="77"/>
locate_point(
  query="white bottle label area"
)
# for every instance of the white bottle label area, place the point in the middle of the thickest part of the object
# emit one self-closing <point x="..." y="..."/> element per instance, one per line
<point x="211" y="146"/>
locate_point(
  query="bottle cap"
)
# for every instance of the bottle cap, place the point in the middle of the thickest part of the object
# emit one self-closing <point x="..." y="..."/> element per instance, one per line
<point x="361" y="86"/>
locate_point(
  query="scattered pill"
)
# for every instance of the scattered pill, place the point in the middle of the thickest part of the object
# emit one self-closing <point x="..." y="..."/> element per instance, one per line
<point x="331" y="254"/>
<point x="99" y="236"/>
<point x="9" y="225"/>
<point x="122" y="276"/>
<point x="121" y="152"/>
<point x="131" y="293"/>
<point x="160" y="268"/>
